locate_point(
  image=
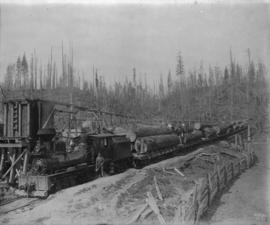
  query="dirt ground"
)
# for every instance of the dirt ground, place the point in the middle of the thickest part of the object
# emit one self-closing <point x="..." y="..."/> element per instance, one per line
<point x="247" y="201"/>
<point x="116" y="199"/>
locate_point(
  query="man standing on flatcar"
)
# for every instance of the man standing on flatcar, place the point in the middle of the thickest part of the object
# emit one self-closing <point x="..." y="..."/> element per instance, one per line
<point x="99" y="164"/>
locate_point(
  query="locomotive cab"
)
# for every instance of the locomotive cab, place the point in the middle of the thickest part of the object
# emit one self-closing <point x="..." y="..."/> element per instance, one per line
<point x="45" y="141"/>
<point x="115" y="149"/>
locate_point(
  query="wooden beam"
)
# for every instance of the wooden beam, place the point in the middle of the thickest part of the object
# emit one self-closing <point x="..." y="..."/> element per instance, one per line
<point x="25" y="162"/>
<point x="157" y="189"/>
<point x="10" y="169"/>
<point x="2" y="160"/>
<point x="20" y="120"/>
<point x="12" y="145"/>
<point x="28" y="120"/>
<point x="48" y="119"/>
<point x="178" y="171"/>
<point x="152" y="203"/>
<point x="17" y="173"/>
<point x="5" y="118"/>
<point x="11" y="122"/>
<point x="137" y="215"/>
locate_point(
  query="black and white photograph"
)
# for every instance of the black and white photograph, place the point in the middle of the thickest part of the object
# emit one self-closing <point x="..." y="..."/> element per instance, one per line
<point x="118" y="112"/>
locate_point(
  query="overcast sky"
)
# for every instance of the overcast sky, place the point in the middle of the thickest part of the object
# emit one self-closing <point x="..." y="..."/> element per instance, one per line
<point x="116" y="38"/>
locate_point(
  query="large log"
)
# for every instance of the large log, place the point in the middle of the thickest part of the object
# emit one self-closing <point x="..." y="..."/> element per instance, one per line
<point x="155" y="143"/>
<point x="145" y="131"/>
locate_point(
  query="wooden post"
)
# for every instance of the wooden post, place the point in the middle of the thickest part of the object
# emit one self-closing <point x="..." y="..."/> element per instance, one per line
<point x="11" y="121"/>
<point x="219" y="183"/>
<point x="240" y="141"/>
<point x="225" y="174"/>
<point x="235" y="139"/>
<point x="182" y="215"/>
<point x="28" y="119"/>
<point x="20" y="119"/>
<point x="39" y="114"/>
<point x="248" y="135"/>
<point x="5" y="118"/>
<point x="209" y="187"/>
<point x="111" y="120"/>
<point x="2" y="160"/>
<point x="25" y="162"/>
<point x="12" y="159"/>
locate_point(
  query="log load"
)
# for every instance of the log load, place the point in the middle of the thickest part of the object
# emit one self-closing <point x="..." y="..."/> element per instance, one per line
<point x="225" y="129"/>
<point x="146" y="131"/>
<point x="158" y="142"/>
<point x="210" y="132"/>
<point x="193" y="136"/>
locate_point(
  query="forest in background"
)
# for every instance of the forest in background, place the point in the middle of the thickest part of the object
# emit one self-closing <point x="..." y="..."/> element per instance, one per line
<point x="209" y="93"/>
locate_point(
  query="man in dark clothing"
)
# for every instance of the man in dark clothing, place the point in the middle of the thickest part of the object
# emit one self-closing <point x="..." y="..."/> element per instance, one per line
<point x="99" y="164"/>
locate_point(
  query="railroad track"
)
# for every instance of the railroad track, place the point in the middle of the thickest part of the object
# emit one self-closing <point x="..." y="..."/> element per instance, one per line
<point x="9" y="201"/>
<point x="16" y="204"/>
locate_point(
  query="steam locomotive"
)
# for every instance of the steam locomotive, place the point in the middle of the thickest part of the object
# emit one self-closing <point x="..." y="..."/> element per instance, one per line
<point x="58" y="161"/>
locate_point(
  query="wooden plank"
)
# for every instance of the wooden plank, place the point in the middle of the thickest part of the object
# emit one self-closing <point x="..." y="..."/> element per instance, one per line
<point x="13" y="145"/>
<point x="195" y="194"/>
<point x="202" y="206"/>
<point x="203" y="194"/>
<point x="49" y="117"/>
<point x="209" y="181"/>
<point x="137" y="214"/>
<point x="25" y="161"/>
<point x="218" y="178"/>
<point x="11" y="168"/>
<point x="28" y="119"/>
<point x="11" y="132"/>
<point x="152" y="203"/>
<point x="178" y="171"/>
<point x="5" y="118"/>
<point x="2" y="161"/>
<point x="189" y="217"/>
<point x="20" y="120"/>
<point x="146" y="213"/>
<point x="157" y="189"/>
<point x="248" y="134"/>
